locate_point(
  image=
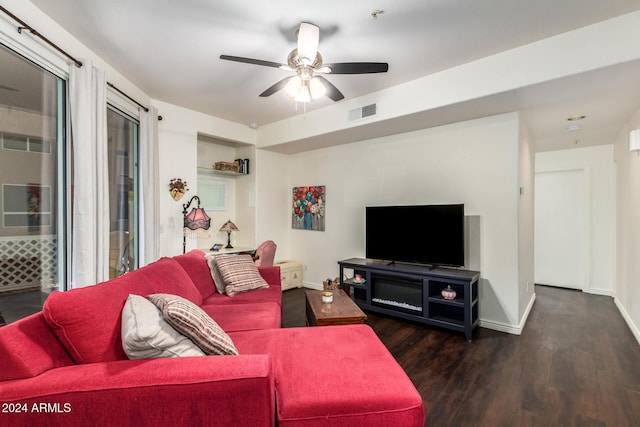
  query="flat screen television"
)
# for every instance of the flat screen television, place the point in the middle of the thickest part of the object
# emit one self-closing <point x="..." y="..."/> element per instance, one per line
<point x="424" y="234"/>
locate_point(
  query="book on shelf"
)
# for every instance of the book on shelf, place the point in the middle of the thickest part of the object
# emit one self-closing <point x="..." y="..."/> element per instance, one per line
<point x="242" y="166"/>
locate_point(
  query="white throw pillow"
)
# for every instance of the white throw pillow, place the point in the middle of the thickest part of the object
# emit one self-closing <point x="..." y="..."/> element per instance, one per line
<point x="146" y="335"/>
<point x="215" y="273"/>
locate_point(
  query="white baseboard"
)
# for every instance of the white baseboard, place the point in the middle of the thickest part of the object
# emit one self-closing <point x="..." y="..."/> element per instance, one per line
<point x="500" y="327"/>
<point x="598" y="291"/>
<point x="627" y="318"/>
<point x="524" y="319"/>
<point x="510" y="329"/>
<point x="310" y="285"/>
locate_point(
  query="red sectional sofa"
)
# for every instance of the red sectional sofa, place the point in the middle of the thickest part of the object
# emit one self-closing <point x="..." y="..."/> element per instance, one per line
<point x="66" y="366"/>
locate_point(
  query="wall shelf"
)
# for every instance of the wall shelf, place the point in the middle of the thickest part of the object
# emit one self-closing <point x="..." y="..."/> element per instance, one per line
<point x="212" y="171"/>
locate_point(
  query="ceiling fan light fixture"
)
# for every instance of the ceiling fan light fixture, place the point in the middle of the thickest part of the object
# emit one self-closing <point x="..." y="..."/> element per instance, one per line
<point x="316" y="88"/>
<point x="305" y="73"/>
<point x="304" y="95"/>
<point x="304" y="90"/>
<point x="293" y="86"/>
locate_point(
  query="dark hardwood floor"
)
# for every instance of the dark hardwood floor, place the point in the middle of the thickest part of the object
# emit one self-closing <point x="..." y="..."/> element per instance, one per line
<point x="575" y="364"/>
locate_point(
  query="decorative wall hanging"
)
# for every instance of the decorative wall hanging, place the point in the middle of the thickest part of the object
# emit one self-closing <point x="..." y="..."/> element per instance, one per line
<point x="308" y="208"/>
<point x="177" y="188"/>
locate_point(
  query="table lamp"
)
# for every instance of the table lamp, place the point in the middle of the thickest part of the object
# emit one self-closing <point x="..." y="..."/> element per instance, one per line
<point x="229" y="227"/>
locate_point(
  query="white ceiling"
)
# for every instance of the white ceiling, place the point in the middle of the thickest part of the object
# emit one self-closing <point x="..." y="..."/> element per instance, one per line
<point x="170" y="49"/>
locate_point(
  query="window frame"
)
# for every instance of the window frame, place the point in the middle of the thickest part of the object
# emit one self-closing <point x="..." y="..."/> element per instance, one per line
<point x="28" y="142"/>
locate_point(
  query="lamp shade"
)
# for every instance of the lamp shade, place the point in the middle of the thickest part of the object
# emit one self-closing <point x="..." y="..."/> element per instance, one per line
<point x="229" y="226"/>
<point x="196" y="219"/>
<point x="634" y="140"/>
<point x="304" y="95"/>
<point x="316" y="88"/>
<point x="294" y="86"/>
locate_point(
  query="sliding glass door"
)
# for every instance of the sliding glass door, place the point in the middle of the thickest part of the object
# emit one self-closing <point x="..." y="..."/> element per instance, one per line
<point x="35" y="190"/>
<point x="122" y="137"/>
<point x="33" y="196"/>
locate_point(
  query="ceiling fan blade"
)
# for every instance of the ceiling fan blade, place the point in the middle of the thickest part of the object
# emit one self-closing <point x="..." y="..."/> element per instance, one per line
<point x="252" y="61"/>
<point x="358" y="67"/>
<point x="276" y="87"/>
<point x="308" y="39"/>
<point x="332" y="91"/>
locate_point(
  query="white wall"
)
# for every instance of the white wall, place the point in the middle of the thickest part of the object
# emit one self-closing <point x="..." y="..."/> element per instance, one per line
<point x="273" y="201"/>
<point x="474" y="162"/>
<point x="30" y="46"/>
<point x="526" y="175"/>
<point x="245" y="208"/>
<point x="597" y="162"/>
<point x="178" y="158"/>
<point x="627" y="292"/>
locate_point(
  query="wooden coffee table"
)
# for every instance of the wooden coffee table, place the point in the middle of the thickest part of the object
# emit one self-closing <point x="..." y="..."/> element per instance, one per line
<point x="342" y="311"/>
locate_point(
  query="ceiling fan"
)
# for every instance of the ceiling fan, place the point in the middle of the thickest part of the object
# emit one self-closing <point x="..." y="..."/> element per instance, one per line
<point x="308" y="82"/>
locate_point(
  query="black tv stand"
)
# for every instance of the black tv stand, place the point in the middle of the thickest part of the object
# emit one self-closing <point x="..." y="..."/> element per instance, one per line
<point x="413" y="292"/>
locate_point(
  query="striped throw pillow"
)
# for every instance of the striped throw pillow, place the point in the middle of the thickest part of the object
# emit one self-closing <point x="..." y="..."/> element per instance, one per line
<point x="239" y="273"/>
<point x="191" y="321"/>
<point x="215" y="273"/>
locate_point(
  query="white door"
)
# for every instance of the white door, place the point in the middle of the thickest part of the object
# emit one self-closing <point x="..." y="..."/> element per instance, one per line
<point x="561" y="244"/>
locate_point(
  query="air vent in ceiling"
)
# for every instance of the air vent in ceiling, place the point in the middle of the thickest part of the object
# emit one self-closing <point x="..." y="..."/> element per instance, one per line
<point x="363" y="112"/>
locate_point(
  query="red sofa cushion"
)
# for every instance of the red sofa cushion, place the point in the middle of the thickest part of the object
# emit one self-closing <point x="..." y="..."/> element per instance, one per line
<point x="245" y="317"/>
<point x="194" y="263"/>
<point x="87" y="320"/>
<point x="335" y="375"/>
<point x="272" y="275"/>
<point x="271" y="294"/>
<point x="28" y="348"/>
<point x="181" y="391"/>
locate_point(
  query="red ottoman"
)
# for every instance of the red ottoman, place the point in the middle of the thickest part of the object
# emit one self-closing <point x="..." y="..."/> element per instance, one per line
<point x="335" y="376"/>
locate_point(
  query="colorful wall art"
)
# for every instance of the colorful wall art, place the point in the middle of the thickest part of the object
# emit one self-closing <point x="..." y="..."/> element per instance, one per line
<point x="308" y="209"/>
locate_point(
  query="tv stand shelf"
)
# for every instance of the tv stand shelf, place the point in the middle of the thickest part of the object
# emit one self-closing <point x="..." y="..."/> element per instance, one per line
<point x="413" y="292"/>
